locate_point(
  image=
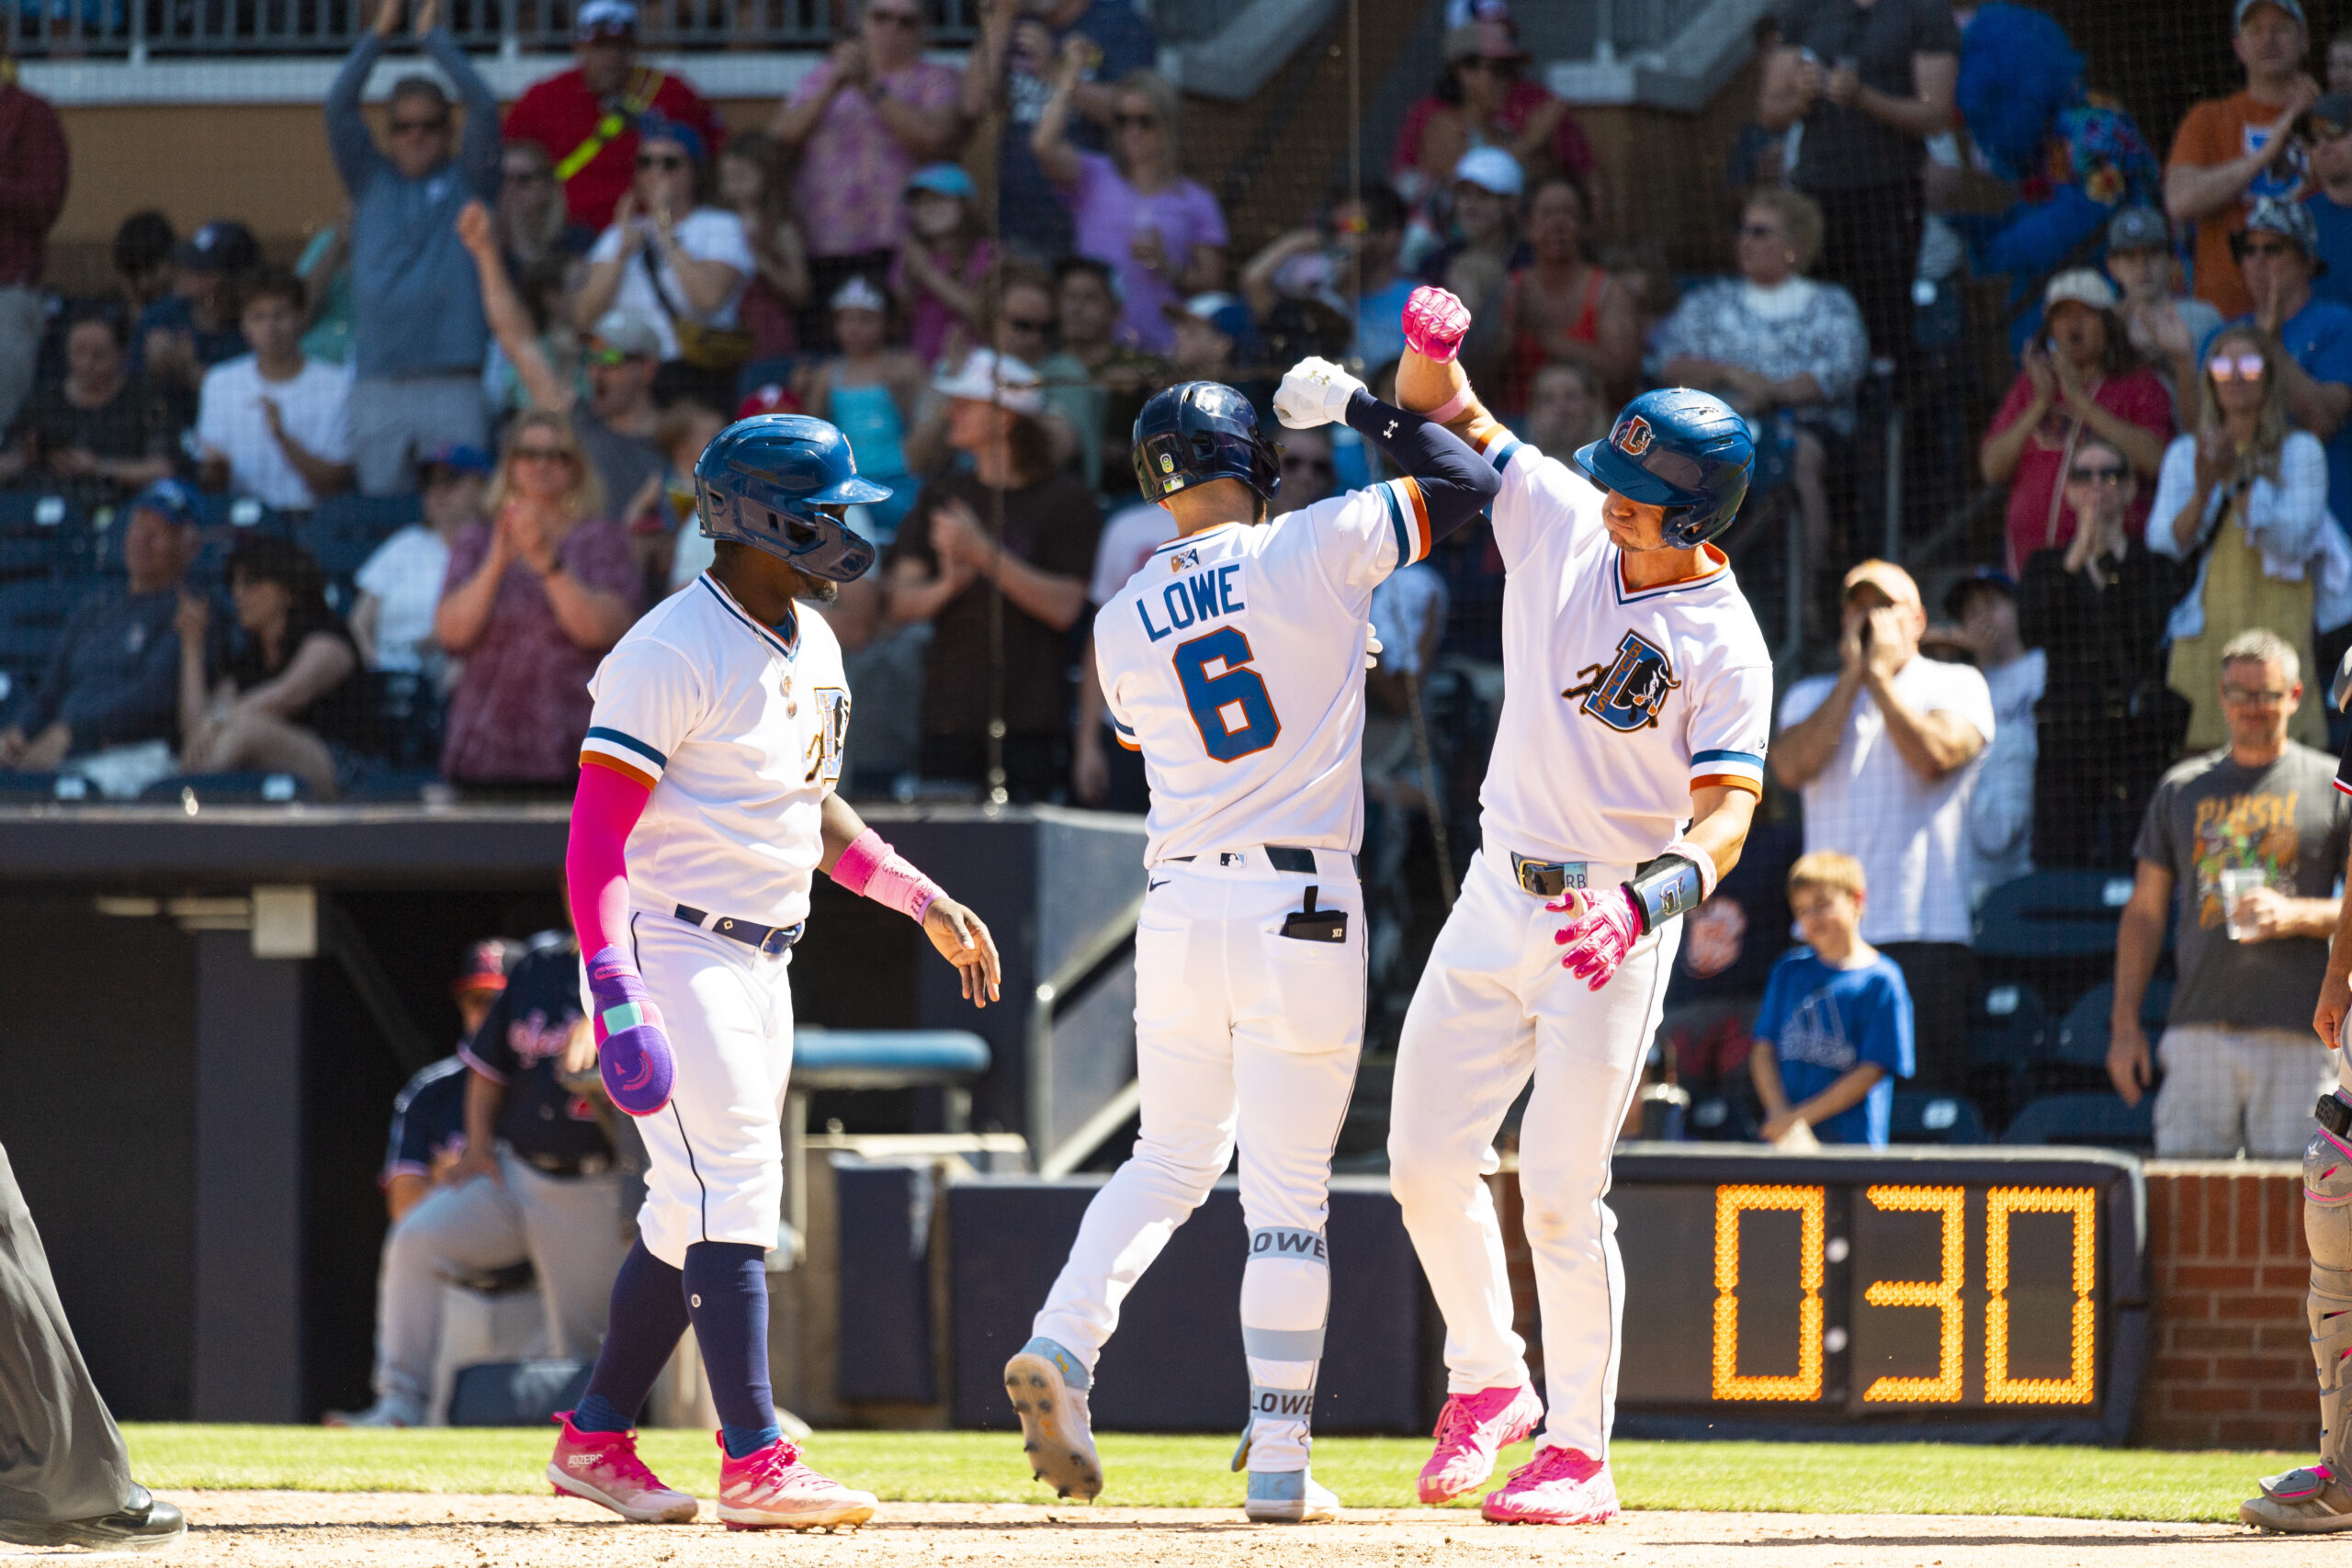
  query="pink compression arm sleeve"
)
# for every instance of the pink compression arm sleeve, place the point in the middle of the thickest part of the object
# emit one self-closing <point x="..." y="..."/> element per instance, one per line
<point x="871" y="867"/>
<point x="595" y="869"/>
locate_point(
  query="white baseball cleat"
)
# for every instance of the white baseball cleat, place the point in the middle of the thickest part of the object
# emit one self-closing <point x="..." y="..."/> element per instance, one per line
<point x="1048" y="1390"/>
<point x="1289" y="1497"/>
<point x="603" y="1468"/>
<point x="772" y="1489"/>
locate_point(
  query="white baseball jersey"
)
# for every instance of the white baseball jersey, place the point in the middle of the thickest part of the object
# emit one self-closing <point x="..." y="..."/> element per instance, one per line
<point x="1617" y="703"/>
<point x="1233" y="661"/>
<point x="737" y="730"/>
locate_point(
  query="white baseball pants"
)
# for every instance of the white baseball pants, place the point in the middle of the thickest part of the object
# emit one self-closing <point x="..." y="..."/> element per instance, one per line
<point x="714" y="1154"/>
<point x="1242" y="1036"/>
<point x="1494" y="1007"/>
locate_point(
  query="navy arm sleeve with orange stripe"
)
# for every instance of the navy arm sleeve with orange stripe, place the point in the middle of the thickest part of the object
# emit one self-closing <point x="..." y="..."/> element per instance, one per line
<point x="1456" y="484"/>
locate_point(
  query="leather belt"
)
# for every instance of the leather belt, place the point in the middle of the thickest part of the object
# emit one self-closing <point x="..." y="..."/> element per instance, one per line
<point x="1282" y="857"/>
<point x="560" y="1165"/>
<point x="770" y="940"/>
<point x="1547" y="878"/>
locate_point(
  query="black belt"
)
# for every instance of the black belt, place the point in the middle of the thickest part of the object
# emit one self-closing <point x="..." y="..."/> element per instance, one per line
<point x="567" y="1165"/>
<point x="769" y="940"/>
<point x="1547" y="878"/>
<point x="1285" y="857"/>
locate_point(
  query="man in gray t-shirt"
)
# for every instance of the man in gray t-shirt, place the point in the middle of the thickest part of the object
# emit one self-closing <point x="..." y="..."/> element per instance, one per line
<point x="2241" y="1064"/>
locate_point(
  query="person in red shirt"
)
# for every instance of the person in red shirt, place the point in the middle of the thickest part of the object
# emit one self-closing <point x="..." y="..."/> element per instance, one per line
<point x="1482" y="98"/>
<point x="587" y="116"/>
<point x="32" y="190"/>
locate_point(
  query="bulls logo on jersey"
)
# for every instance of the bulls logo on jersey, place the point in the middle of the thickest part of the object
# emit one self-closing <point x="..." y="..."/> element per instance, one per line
<point x="1633" y="436"/>
<point x="1627" y="694"/>
<point x="824" y="756"/>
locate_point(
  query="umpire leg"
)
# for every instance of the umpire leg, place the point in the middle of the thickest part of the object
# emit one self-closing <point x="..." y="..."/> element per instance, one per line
<point x="61" y="1457"/>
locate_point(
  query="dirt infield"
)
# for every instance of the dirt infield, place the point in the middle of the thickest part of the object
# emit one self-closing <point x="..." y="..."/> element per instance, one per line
<point x="261" y="1529"/>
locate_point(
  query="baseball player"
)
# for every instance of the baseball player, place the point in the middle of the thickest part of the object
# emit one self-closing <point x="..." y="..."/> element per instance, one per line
<point x="1233" y="660"/>
<point x="707" y="800"/>
<point x="1626" y="766"/>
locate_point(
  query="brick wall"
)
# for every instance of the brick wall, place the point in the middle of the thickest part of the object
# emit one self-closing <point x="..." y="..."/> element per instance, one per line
<point x="2227" y="1270"/>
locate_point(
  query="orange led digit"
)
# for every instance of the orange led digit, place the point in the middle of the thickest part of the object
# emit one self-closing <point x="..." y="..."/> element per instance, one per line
<point x="1810" y="1206"/>
<point x="2000" y="1202"/>
<point x="1942" y="1294"/>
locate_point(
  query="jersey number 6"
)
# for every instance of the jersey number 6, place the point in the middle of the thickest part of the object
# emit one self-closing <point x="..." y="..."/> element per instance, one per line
<point x="1231" y="710"/>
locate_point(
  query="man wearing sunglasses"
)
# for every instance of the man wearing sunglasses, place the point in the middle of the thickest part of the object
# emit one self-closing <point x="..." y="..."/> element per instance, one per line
<point x="418" y="335"/>
<point x="2277" y="256"/>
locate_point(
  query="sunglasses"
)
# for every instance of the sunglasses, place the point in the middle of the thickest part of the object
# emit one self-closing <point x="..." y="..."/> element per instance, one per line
<point x="1038" y="324"/>
<point x="1759" y="231"/>
<point x="907" y="19"/>
<point x="1308" y="466"/>
<point x="1135" y="121"/>
<point x="2241" y="367"/>
<point x="528" y="177"/>
<point x="667" y="161"/>
<point x="607" y="358"/>
<point x="2094" y="476"/>
<point x="2242" y="697"/>
<point x="540" y="455"/>
<point x="419" y="126"/>
<point x="2268" y="248"/>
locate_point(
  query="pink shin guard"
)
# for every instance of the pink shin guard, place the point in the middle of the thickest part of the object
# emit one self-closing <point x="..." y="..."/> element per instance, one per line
<point x="872" y="868"/>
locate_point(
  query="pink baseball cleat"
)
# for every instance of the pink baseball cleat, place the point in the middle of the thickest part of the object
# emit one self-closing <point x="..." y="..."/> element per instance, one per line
<point x="1472" y="1429"/>
<point x="1558" y="1486"/>
<point x="604" y="1469"/>
<point x="773" y="1490"/>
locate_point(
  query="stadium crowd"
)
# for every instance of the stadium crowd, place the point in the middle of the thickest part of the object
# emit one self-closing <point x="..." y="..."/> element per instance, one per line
<point x="370" y="519"/>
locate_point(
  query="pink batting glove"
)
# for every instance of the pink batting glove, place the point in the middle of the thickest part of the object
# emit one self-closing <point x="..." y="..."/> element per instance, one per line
<point x="1599" y="938"/>
<point x="1435" y="322"/>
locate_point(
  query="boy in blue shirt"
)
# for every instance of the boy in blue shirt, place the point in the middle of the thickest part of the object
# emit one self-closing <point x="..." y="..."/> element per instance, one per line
<point x="1835" y="1030"/>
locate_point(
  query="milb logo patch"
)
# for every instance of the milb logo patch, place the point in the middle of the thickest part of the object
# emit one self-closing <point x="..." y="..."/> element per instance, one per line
<point x="1627" y="694"/>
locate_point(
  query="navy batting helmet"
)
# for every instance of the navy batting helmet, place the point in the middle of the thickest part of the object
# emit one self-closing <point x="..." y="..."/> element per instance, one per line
<point x="1199" y="431"/>
<point x="1681" y="449"/>
<point x="767" y="481"/>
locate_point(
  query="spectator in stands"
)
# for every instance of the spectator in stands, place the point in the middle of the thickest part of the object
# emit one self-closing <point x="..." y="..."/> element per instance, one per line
<point x="943" y="264"/>
<point x="1476" y="261"/>
<point x="861" y="124"/>
<point x="2231" y="152"/>
<point x="949" y="561"/>
<point x="1869" y="84"/>
<point x="533" y="599"/>
<point x="616" y="426"/>
<point x="325" y="267"/>
<point x="143" y="249"/>
<point x="2163" y="326"/>
<point x="1565" y="409"/>
<point x="2277" y="255"/>
<point x="1835" y="1028"/>
<point x="98" y="434"/>
<point x="275" y="425"/>
<point x="753" y="186"/>
<point x="1162" y="234"/>
<point x="2241" y="503"/>
<point x="1351" y="256"/>
<point x="537" y="1183"/>
<point x="1103" y="773"/>
<point x="1217" y="340"/>
<point x="533" y="226"/>
<point x="33" y="179"/>
<point x="194" y="327"/>
<point x="1884" y="753"/>
<point x="400" y="584"/>
<point x="1483" y="98"/>
<point x="670" y="500"/>
<point x="1787" y="352"/>
<point x="290" y="698"/>
<point x="870" y="391"/>
<point x="113" y="679"/>
<point x="1563" y="304"/>
<point x="2240" y="1067"/>
<point x="2080" y="378"/>
<point x="681" y="265"/>
<point x="417" y="329"/>
<point x="588" y="117"/>
<point x="2327" y="134"/>
<point x="1096" y="383"/>
<point x="428" y="1138"/>
<point x="2339" y="60"/>
<point x="2108" y="726"/>
<point x="1983" y="608"/>
<point x="1011" y="73"/>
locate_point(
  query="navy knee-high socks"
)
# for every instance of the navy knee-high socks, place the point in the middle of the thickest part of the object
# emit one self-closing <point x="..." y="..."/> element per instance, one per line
<point x="723" y="1291"/>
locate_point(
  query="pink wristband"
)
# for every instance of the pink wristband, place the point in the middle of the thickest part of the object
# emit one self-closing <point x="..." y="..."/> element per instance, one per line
<point x="871" y="868"/>
<point x="1453" y="408"/>
<point x="1698" y="857"/>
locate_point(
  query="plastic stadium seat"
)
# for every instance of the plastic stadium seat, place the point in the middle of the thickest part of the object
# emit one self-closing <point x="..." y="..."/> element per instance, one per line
<point x="2006" y="1022"/>
<point x="24" y="513"/>
<point x="886" y="1058"/>
<point x="225" y="789"/>
<point x="2100" y="1121"/>
<point x="346" y="529"/>
<point x="2082" y="1039"/>
<point x="32" y="614"/>
<point x="1922" y="1118"/>
<point x="2053" y="914"/>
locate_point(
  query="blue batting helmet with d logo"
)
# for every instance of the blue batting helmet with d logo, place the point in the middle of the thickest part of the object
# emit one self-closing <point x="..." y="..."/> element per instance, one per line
<point x="1681" y="449"/>
<point x="1199" y="431"/>
<point x="767" y="482"/>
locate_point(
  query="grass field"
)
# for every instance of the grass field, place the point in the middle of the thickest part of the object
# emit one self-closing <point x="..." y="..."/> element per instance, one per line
<point x="1185" y="1472"/>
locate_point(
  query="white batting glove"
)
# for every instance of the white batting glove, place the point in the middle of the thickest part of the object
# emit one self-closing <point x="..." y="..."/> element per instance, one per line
<point x="1316" y="392"/>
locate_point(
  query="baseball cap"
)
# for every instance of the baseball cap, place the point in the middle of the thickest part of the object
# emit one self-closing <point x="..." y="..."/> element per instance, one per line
<point x="171" y="498"/>
<point x="2139" y="229"/>
<point x="599" y="19"/>
<point x="458" y="458"/>
<point x="1228" y="313"/>
<point x="483" y="968"/>
<point x="1887" y="578"/>
<point x="223" y="245"/>
<point x="2292" y="7"/>
<point x="943" y="179"/>
<point x="2330" y="114"/>
<point x="1492" y="169"/>
<point x="2275" y="215"/>
<point x="773" y="398"/>
<point x="858" y="294"/>
<point x="1956" y="596"/>
<point x="630" y="331"/>
<point x="2078" y="286"/>
<point x="655" y="126"/>
<point x="988" y="376"/>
